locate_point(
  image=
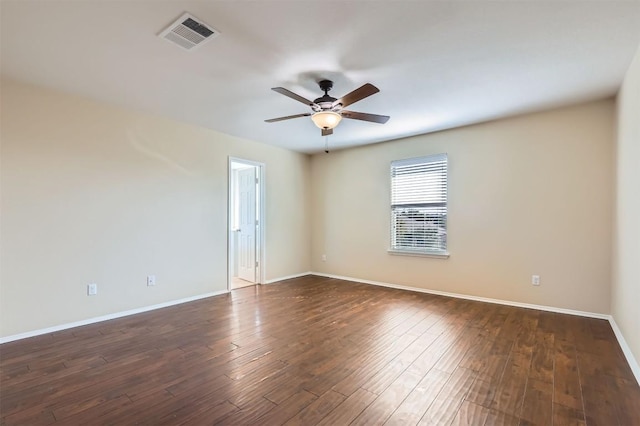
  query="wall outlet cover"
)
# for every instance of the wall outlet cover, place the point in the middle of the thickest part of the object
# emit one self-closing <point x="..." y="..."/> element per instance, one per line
<point x="92" y="289"/>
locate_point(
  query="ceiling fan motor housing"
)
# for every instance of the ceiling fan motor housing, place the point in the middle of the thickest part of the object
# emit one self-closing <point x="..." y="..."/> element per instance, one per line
<point x="326" y="102"/>
<point x="325" y="85"/>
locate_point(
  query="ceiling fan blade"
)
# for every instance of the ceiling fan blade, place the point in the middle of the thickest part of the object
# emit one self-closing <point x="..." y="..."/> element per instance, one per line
<point x="357" y="95"/>
<point x="327" y="132"/>
<point x="292" y="95"/>
<point x="288" y="117"/>
<point x="374" y="118"/>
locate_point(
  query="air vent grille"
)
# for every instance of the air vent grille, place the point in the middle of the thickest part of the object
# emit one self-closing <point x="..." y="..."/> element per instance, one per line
<point x="188" y="32"/>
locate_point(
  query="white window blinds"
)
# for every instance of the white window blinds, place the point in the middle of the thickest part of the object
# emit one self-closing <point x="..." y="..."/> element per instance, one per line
<point x="419" y="204"/>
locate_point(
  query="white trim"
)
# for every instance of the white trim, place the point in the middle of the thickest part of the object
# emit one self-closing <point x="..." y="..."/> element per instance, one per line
<point x="289" y="277"/>
<point x="635" y="368"/>
<point x="467" y="297"/>
<point x="262" y="261"/>
<point x="424" y="159"/>
<point x="107" y="317"/>
<point x="398" y="190"/>
<point x="433" y="254"/>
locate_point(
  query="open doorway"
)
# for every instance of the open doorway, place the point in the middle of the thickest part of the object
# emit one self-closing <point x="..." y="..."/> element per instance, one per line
<point x="246" y="223"/>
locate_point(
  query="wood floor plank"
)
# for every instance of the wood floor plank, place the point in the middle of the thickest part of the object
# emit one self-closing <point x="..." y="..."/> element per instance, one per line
<point x="387" y="375"/>
<point x="492" y="367"/>
<point x="567" y="388"/>
<point x="258" y="408"/>
<point x="599" y="405"/>
<point x="317" y="410"/>
<point x="324" y="351"/>
<point x="372" y="366"/>
<point x="197" y="414"/>
<point x="411" y="410"/>
<point x="542" y="362"/>
<point x="429" y="358"/>
<point x="511" y="389"/>
<point x="383" y="406"/>
<point x="481" y="392"/>
<point x="445" y="407"/>
<point x="467" y="342"/>
<point x="29" y="417"/>
<point x="294" y="383"/>
<point x="470" y="414"/>
<point x="499" y="418"/>
<point x="257" y="387"/>
<point x="537" y="407"/>
<point x="525" y="340"/>
<point x="435" y="314"/>
<point x="136" y="408"/>
<point x="96" y="412"/>
<point x="475" y="359"/>
<point x="608" y="364"/>
<point x="627" y="391"/>
<point x="568" y="416"/>
<point x="350" y="408"/>
<point x="287" y="409"/>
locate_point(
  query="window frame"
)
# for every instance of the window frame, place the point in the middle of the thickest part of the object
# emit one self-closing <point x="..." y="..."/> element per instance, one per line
<point x="417" y="161"/>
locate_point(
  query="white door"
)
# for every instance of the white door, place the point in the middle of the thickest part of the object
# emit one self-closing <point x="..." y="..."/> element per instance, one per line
<point x="247" y="241"/>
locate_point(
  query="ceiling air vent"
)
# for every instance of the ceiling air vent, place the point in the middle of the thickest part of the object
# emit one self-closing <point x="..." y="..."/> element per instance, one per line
<point x="189" y="32"/>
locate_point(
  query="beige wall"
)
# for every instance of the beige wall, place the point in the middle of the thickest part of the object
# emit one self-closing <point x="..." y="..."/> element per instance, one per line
<point x="626" y="262"/>
<point x="94" y="193"/>
<point x="527" y="195"/>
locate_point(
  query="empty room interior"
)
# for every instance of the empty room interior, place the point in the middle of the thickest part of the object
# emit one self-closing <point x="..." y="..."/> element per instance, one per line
<point x="311" y="212"/>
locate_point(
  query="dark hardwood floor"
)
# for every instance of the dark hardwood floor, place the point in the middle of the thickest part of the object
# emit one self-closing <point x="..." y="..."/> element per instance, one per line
<point x="323" y="351"/>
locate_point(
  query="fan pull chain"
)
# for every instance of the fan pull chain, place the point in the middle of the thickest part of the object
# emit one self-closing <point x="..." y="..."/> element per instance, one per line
<point x="326" y="144"/>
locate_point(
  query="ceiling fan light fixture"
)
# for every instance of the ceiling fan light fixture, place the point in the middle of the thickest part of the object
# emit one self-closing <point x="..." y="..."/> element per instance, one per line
<point x="327" y="111"/>
<point x="326" y="119"/>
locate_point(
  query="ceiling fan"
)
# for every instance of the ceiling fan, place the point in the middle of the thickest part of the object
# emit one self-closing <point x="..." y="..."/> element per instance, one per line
<point x="327" y="111"/>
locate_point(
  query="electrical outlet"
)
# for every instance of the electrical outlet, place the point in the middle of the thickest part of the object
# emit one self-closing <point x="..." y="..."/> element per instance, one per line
<point x="92" y="289"/>
<point x="151" y="280"/>
<point x="535" y="279"/>
<point x="324" y="257"/>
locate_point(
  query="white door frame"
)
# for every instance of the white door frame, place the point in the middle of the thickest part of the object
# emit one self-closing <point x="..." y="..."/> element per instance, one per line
<point x="260" y="234"/>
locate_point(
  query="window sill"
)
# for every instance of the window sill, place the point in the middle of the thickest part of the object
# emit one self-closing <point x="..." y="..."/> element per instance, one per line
<point x="444" y="255"/>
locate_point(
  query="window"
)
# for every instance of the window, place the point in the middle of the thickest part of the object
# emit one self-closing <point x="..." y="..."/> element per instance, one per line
<point x="419" y="205"/>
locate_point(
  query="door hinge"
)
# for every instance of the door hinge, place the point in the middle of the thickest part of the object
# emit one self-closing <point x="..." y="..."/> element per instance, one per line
<point x="256" y="263"/>
<point x="257" y="180"/>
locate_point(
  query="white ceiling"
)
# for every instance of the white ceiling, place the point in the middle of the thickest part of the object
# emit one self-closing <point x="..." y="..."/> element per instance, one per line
<point x="438" y="64"/>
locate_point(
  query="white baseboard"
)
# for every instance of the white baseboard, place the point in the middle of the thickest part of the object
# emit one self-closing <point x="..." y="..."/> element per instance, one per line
<point x="106" y="317"/>
<point x="635" y="368"/>
<point x="633" y="364"/>
<point x="289" y="277"/>
<point x="467" y="297"/>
